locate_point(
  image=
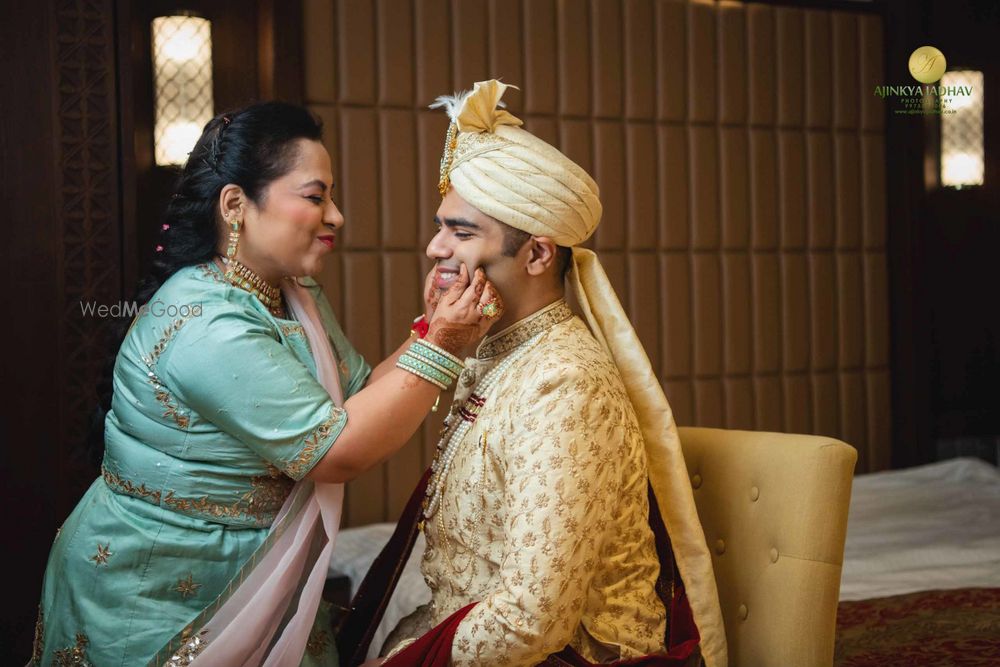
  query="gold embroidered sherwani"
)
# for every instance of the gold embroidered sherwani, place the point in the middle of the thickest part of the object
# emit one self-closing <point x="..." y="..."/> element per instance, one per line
<point x="544" y="515"/>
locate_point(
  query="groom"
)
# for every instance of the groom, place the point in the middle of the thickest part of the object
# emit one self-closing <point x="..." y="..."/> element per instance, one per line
<point x="545" y="540"/>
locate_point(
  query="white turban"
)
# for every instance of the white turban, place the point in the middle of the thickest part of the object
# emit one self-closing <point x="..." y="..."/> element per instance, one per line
<point x="518" y="179"/>
<point x="512" y="175"/>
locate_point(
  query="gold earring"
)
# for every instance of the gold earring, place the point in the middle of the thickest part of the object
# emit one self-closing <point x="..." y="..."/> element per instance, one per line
<point x="234" y="237"/>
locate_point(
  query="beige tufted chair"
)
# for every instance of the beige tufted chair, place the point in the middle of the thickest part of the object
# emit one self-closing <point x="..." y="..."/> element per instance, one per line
<point x="774" y="509"/>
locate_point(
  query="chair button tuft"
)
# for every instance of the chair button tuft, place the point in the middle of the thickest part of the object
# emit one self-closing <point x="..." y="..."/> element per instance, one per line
<point x="743" y="612"/>
<point x="720" y="547"/>
<point x="774" y="555"/>
<point x="696" y="481"/>
<point x="754" y="493"/>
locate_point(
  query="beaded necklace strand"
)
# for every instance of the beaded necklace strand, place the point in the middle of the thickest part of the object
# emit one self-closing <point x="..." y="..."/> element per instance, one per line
<point x="455" y="429"/>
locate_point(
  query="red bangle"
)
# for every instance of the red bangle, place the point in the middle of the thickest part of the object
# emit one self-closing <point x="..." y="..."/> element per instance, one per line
<point x="420" y="327"/>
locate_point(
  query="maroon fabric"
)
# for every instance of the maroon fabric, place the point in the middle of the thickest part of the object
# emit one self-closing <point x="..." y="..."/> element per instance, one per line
<point x="355" y="631"/>
<point x="959" y="627"/>
<point x="434" y="648"/>
<point x="570" y="658"/>
<point x="683" y="639"/>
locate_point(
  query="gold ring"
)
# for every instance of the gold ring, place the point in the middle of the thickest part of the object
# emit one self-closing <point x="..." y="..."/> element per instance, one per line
<point x="491" y="309"/>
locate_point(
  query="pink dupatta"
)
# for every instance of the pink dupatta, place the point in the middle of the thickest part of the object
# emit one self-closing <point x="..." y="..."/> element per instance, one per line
<point x="265" y="616"/>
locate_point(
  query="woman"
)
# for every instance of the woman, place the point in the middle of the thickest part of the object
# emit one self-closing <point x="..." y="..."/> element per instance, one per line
<point x="227" y="390"/>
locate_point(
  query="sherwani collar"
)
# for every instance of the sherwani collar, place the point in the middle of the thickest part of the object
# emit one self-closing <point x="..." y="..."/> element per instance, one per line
<point x="524" y="329"/>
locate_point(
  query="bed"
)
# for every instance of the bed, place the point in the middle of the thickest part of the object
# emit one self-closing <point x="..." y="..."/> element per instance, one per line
<point x="921" y="576"/>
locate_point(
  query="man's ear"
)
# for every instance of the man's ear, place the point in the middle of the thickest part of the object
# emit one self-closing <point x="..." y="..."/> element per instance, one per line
<point x="541" y="255"/>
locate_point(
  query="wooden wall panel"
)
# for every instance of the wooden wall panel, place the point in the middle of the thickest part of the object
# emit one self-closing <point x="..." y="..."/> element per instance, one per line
<point x="674" y="197"/>
<point x="671" y="54"/>
<point x="395" y="52"/>
<point x="356" y="55"/>
<point x="574" y="58"/>
<point x="609" y="167"/>
<point x="398" y="163"/>
<point x="539" y="85"/>
<point x="641" y="208"/>
<point x="640" y="84"/>
<point x="433" y="56"/>
<point x="470" y="25"/>
<point x="675" y="313"/>
<point x="607" y="57"/>
<point x="744" y="202"/>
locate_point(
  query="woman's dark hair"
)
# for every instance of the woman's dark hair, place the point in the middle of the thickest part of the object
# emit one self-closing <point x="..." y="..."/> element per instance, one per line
<point x="249" y="147"/>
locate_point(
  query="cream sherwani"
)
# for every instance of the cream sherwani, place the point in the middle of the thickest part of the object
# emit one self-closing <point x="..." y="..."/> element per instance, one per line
<point x="543" y="518"/>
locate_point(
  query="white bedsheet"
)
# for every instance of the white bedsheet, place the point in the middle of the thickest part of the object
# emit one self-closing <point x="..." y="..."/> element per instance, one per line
<point x="353" y="554"/>
<point x="931" y="527"/>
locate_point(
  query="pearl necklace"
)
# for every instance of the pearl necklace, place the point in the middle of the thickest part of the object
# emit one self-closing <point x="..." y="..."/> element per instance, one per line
<point x="454" y="434"/>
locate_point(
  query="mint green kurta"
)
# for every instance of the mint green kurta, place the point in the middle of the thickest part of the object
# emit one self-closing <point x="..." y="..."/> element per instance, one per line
<point x="214" y="415"/>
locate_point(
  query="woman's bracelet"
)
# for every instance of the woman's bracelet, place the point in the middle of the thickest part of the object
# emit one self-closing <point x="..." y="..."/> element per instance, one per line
<point x="414" y="365"/>
<point x="432" y="363"/>
<point x="440" y="384"/>
<point x="432" y="353"/>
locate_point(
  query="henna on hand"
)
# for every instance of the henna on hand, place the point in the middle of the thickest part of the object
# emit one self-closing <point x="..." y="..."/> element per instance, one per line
<point x="432" y="298"/>
<point x="455" y="337"/>
<point x="431" y="294"/>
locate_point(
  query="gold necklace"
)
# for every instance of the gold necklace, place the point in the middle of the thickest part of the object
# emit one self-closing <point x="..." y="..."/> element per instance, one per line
<point x="242" y="276"/>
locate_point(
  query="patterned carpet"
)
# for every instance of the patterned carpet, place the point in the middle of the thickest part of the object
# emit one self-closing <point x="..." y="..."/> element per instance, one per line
<point x="955" y="628"/>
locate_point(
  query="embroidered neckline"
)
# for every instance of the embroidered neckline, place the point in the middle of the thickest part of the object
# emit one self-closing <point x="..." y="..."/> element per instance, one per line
<point x="523" y="330"/>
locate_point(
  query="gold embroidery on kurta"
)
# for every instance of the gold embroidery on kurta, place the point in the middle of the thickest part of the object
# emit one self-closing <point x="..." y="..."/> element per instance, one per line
<point x="193" y="645"/>
<point x="268" y="493"/>
<point x="301" y="464"/>
<point x="125" y="486"/>
<point x="187" y="587"/>
<point x="241" y="509"/>
<point x="318" y="642"/>
<point x="103" y="554"/>
<point x="163" y="397"/>
<point x="294" y="329"/>
<point x="260" y="504"/>
<point x="36" y="646"/>
<point x="208" y="272"/>
<point x="74" y="656"/>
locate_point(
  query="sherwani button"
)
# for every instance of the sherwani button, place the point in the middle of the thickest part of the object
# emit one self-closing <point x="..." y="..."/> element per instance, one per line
<point x="696" y="481"/>
<point x="720" y="547"/>
<point x="754" y="493"/>
<point x="743" y="612"/>
<point x="774" y="555"/>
